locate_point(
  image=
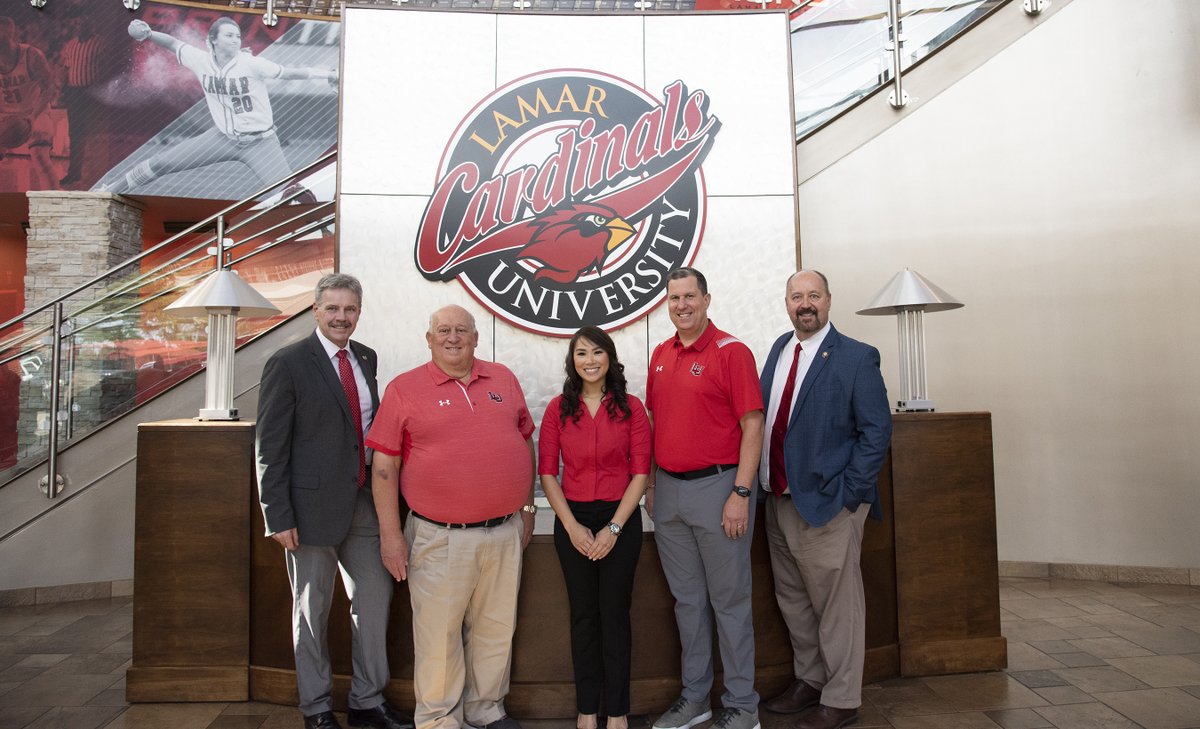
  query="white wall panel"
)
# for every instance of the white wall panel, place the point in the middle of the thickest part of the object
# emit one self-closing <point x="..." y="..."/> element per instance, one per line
<point x="741" y="61"/>
<point x="1072" y="242"/>
<point x="403" y="93"/>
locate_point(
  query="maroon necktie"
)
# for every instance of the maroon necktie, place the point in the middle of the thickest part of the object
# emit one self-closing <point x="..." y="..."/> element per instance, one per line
<point x="346" y="372"/>
<point x="779" y="429"/>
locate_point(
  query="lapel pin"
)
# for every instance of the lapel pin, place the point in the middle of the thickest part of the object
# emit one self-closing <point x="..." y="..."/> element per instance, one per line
<point x="825" y="354"/>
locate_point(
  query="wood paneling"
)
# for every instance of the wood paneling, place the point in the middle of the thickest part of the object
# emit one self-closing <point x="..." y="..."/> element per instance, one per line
<point x="212" y="593"/>
<point x="191" y="569"/>
<point x="947" y="580"/>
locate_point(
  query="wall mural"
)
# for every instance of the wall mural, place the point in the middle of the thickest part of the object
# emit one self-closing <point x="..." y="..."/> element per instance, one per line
<point x="168" y="100"/>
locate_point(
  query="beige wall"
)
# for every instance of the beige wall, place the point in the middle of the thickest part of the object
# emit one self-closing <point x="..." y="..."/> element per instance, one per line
<point x="1056" y="191"/>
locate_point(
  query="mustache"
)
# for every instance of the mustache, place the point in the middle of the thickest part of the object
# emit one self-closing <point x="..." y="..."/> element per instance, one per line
<point x="812" y="312"/>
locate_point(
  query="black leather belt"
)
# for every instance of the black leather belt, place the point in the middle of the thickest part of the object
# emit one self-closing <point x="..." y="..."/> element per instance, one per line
<point x="701" y="472"/>
<point x="472" y="525"/>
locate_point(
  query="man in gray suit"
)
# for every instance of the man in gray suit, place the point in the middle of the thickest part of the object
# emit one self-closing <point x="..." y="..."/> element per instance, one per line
<point x="316" y="402"/>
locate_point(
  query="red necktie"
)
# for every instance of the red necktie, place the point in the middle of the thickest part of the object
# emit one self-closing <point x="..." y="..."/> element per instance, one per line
<point x="779" y="429"/>
<point x="346" y="372"/>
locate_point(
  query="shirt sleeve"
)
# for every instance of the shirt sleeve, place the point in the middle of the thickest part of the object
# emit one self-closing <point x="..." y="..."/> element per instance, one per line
<point x="548" y="439"/>
<point x="387" y="428"/>
<point x="640" y="437"/>
<point x="745" y="391"/>
<point x="650" y="377"/>
<point x="192" y="58"/>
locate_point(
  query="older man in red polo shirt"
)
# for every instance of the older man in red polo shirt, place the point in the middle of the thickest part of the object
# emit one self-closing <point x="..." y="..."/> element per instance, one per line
<point x="453" y="436"/>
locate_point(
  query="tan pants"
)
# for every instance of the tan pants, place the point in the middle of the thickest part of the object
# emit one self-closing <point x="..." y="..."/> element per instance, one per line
<point x="818" y="583"/>
<point x="463" y="584"/>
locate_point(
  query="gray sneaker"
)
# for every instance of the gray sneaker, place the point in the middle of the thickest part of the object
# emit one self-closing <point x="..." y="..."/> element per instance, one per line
<point x="685" y="713"/>
<point x="736" y="719"/>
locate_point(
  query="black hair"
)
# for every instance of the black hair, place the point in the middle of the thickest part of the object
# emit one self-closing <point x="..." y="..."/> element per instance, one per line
<point x="614" y="380"/>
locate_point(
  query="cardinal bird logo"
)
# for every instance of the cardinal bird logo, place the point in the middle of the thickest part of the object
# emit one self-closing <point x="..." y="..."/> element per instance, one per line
<point x="565" y="197"/>
<point x="570" y="242"/>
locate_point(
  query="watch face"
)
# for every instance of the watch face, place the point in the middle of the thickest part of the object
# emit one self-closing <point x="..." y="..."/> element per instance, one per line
<point x="614" y="529"/>
<point x="741" y="490"/>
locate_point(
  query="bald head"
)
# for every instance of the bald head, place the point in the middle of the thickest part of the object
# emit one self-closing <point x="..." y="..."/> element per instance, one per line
<point x="452" y="339"/>
<point x="807" y="299"/>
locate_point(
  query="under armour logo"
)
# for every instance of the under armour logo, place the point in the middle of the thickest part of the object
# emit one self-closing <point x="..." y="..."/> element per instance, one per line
<point x="443" y="403"/>
<point x="495" y="397"/>
<point x="658" y="368"/>
<point x="697" y="368"/>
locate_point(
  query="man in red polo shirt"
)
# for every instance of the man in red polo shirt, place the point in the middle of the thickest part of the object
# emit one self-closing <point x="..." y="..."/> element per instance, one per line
<point x="453" y="436"/>
<point x="708" y="426"/>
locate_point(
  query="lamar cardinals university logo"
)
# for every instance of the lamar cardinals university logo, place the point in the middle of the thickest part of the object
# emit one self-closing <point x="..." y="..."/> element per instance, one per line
<point x="565" y="197"/>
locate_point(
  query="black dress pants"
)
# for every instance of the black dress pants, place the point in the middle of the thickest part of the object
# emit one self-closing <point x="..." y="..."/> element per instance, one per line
<point x="600" y="593"/>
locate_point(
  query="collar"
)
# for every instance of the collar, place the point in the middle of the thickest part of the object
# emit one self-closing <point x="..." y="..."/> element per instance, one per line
<point x="813" y="343"/>
<point x="709" y="334"/>
<point x="440" y="377"/>
<point x="332" y="349"/>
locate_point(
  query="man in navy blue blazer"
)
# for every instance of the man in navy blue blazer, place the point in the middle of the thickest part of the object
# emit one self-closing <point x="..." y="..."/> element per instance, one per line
<point x="828" y="427"/>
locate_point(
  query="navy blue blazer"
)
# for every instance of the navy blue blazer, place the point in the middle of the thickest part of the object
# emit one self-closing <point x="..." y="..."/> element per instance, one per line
<point x="839" y="431"/>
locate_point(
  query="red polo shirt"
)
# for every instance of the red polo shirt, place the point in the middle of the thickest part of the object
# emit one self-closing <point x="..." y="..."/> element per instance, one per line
<point x="463" y="447"/>
<point x="600" y="454"/>
<point x="698" y="395"/>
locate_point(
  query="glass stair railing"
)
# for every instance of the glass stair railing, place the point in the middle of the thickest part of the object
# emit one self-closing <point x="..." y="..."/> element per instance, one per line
<point x="842" y="49"/>
<point x="112" y="345"/>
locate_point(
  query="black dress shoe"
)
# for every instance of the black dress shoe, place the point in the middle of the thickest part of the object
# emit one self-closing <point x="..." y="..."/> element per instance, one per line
<point x="380" y="717"/>
<point x="827" y="717"/>
<point x="324" y="720"/>
<point x="794" y="699"/>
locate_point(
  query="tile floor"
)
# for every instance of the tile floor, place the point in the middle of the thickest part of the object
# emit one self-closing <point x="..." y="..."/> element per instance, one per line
<point x="1082" y="655"/>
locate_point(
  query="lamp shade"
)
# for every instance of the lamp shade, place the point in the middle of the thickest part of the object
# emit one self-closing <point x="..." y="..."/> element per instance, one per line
<point x="909" y="290"/>
<point x="223" y="289"/>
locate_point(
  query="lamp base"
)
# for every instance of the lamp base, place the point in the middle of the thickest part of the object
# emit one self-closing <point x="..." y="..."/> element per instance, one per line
<point x="218" y="414"/>
<point x="919" y="406"/>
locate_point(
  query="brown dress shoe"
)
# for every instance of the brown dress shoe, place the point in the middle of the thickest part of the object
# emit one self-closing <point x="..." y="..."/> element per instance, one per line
<point x="794" y="699"/>
<point x="827" y="717"/>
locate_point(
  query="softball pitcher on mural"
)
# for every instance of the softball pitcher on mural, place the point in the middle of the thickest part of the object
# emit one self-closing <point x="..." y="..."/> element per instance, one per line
<point x="234" y="85"/>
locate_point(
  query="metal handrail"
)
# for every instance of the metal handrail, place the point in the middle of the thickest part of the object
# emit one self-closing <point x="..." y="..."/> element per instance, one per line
<point x="202" y="225"/>
<point x="35" y="335"/>
<point x="174" y="275"/>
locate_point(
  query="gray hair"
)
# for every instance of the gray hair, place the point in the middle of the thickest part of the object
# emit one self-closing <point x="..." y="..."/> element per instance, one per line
<point x="338" y="281"/>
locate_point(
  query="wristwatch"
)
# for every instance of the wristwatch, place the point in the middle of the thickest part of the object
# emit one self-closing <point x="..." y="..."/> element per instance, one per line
<point x="615" y="528"/>
<point x="741" y="491"/>
<point x="530" y="508"/>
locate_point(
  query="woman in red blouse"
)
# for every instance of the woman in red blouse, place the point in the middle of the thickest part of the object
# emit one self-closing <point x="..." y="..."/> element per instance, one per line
<point x="603" y="436"/>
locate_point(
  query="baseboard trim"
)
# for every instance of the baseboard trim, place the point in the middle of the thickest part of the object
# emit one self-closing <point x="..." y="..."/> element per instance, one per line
<point x="65" y="593"/>
<point x="1103" y="572"/>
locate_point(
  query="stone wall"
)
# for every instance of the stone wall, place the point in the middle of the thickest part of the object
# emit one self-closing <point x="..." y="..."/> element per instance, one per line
<point x="73" y="238"/>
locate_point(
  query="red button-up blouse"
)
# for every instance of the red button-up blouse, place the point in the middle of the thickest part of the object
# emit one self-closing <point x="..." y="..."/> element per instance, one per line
<point x="600" y="454"/>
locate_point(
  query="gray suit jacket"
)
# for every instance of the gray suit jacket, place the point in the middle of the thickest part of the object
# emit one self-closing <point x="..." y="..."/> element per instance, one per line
<point x="307" y="444"/>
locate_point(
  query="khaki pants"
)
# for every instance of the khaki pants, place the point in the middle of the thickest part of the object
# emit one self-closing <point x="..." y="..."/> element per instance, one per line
<point x="818" y="583"/>
<point x="463" y="584"/>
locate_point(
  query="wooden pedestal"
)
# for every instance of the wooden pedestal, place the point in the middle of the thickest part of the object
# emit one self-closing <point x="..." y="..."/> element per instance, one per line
<point x="947" y="581"/>
<point x="191" y="603"/>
